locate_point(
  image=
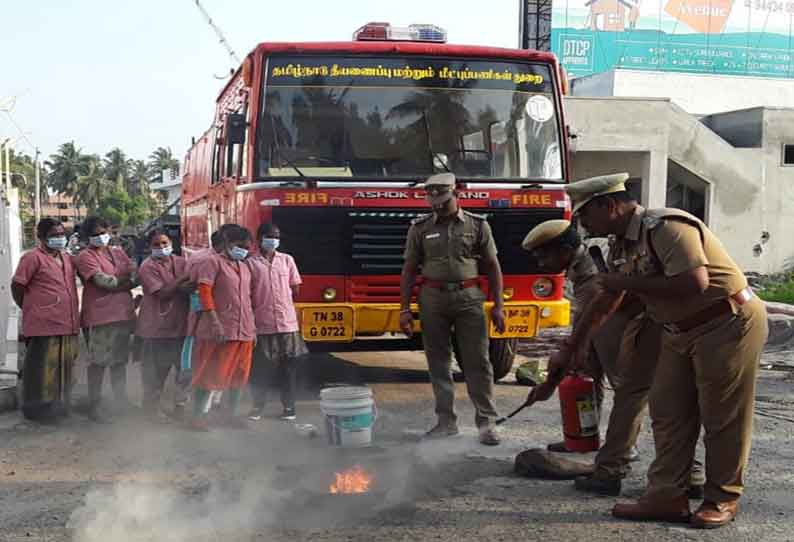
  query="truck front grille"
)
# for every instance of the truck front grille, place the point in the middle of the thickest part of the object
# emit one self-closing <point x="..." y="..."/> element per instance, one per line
<point x="363" y="243"/>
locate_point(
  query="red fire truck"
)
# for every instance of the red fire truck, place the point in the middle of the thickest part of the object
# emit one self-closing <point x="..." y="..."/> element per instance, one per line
<point x="332" y="142"/>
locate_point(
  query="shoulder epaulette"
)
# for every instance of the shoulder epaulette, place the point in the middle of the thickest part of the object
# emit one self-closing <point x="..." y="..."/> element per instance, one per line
<point x="474" y="215"/>
<point x="421" y="218"/>
<point x="651" y="222"/>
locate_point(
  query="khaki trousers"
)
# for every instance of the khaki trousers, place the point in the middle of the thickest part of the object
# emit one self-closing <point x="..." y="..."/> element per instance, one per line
<point x="460" y="311"/>
<point x="630" y="371"/>
<point x="707" y="376"/>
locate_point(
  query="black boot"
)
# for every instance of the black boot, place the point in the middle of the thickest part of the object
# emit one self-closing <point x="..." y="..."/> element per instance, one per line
<point x="598" y="485"/>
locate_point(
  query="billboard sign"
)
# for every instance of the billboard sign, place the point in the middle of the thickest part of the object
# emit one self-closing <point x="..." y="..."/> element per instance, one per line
<point x="737" y="37"/>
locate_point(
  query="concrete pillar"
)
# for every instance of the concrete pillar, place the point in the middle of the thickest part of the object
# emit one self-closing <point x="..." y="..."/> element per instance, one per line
<point x="654" y="180"/>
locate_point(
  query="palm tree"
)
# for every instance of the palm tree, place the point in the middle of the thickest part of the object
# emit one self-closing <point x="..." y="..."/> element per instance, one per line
<point x="91" y="186"/>
<point x="65" y="167"/>
<point x="23" y="176"/>
<point x="138" y="177"/>
<point x="163" y="159"/>
<point x="116" y="168"/>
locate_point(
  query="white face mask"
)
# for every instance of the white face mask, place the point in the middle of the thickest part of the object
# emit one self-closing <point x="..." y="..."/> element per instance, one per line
<point x="56" y="243"/>
<point x="162" y="252"/>
<point x="270" y="243"/>
<point x="237" y="253"/>
<point x="100" y="240"/>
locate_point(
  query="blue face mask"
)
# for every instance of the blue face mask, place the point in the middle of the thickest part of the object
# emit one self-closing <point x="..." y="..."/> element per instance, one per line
<point x="56" y="243"/>
<point x="237" y="253"/>
<point x="162" y="252"/>
<point x="270" y="243"/>
<point x="100" y="240"/>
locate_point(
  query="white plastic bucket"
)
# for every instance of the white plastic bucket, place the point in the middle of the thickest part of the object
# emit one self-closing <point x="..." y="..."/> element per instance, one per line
<point x="349" y="415"/>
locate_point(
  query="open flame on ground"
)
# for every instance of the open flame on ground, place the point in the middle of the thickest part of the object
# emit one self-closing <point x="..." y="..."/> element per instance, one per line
<point x="353" y="480"/>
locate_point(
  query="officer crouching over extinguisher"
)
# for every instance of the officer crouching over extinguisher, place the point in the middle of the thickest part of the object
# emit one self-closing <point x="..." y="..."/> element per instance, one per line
<point x="625" y="347"/>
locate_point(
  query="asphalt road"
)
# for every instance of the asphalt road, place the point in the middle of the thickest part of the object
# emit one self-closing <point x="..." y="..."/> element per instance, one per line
<point x="136" y="480"/>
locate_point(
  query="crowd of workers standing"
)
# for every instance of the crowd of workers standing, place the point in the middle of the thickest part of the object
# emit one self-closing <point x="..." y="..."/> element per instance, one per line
<point x="669" y="319"/>
<point x="220" y="318"/>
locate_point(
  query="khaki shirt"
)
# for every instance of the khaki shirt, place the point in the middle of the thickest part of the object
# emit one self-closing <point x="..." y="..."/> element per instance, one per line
<point x="670" y="242"/>
<point x="449" y="250"/>
<point x="579" y="275"/>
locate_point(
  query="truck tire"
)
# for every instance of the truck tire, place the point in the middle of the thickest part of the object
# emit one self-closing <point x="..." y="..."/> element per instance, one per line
<point x="501" y="352"/>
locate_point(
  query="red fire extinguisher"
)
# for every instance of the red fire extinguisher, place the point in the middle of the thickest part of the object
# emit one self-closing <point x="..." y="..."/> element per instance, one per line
<point x="579" y="413"/>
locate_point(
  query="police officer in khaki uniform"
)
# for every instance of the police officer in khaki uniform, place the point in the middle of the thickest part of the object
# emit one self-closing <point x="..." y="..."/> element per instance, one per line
<point x="451" y="246"/>
<point x="625" y="348"/>
<point x="557" y="247"/>
<point x="714" y="332"/>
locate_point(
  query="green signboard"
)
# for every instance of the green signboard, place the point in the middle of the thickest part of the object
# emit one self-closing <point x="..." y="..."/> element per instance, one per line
<point x="737" y="37"/>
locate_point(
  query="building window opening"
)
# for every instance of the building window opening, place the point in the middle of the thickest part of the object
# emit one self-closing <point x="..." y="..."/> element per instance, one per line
<point x="788" y="154"/>
<point x="685" y="198"/>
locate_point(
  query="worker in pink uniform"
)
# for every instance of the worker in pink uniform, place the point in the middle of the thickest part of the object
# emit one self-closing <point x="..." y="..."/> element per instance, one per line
<point x="279" y="344"/>
<point x="162" y="320"/>
<point x="107" y="314"/>
<point x="225" y="332"/>
<point x="217" y="243"/>
<point x="44" y="287"/>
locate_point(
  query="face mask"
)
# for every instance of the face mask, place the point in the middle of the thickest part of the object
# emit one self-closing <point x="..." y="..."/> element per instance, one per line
<point x="268" y="243"/>
<point x="162" y="252"/>
<point x="56" y="243"/>
<point x="237" y="253"/>
<point x="100" y="240"/>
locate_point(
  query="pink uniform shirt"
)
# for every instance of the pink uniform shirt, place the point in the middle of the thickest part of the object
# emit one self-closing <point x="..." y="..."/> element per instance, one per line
<point x="103" y="306"/>
<point x="274" y="310"/>
<point x="160" y="318"/>
<point x="50" y="306"/>
<point x="231" y="290"/>
<point x="192" y="268"/>
<point x="199" y="255"/>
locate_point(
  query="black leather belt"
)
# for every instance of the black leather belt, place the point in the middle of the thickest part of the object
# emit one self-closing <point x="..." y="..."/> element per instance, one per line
<point x="451" y="286"/>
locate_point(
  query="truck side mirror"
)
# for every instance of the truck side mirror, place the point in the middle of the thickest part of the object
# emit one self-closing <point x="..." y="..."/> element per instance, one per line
<point x="235" y="129"/>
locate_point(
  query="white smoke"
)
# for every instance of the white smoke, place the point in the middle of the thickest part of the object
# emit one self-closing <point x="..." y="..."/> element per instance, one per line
<point x="137" y="512"/>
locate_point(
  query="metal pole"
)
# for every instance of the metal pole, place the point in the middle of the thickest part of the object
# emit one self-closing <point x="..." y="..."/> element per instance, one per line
<point x="37" y="200"/>
<point x="8" y="168"/>
<point x="2" y="169"/>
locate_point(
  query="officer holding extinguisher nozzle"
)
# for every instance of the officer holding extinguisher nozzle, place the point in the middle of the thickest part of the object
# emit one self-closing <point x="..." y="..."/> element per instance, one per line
<point x="557" y="247"/>
<point x="713" y="332"/>
<point x="614" y="337"/>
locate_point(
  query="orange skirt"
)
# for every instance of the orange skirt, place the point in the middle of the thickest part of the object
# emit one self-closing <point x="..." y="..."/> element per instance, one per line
<point x="221" y="366"/>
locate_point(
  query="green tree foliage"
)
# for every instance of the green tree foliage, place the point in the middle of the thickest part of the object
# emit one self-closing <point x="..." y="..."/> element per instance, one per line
<point x="65" y="167"/>
<point x="116" y="187"/>
<point x="162" y="159"/>
<point x="117" y="168"/>
<point x="92" y="185"/>
<point x="139" y="177"/>
<point x="120" y="209"/>
<point x="23" y="177"/>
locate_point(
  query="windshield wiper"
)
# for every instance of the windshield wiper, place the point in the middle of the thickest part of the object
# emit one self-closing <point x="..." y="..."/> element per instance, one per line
<point x="281" y="156"/>
<point x="433" y="155"/>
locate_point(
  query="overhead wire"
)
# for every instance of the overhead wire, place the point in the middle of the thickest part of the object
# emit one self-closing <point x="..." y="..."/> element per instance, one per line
<point x="219" y="33"/>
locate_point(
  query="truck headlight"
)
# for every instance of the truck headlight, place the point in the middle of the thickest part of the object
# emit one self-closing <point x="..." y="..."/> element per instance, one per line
<point x="329" y="294"/>
<point x="543" y="287"/>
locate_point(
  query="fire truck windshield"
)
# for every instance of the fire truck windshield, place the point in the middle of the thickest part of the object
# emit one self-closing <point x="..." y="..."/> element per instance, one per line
<point x="408" y="117"/>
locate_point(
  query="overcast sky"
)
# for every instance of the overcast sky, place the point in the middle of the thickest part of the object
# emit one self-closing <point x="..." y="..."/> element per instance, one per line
<point x="138" y="74"/>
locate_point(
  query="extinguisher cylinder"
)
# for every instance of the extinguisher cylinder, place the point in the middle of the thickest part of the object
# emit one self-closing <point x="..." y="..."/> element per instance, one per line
<point x="579" y="410"/>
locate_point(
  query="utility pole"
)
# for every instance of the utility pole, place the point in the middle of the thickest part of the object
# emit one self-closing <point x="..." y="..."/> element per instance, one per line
<point x="8" y="168"/>
<point x="37" y="199"/>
